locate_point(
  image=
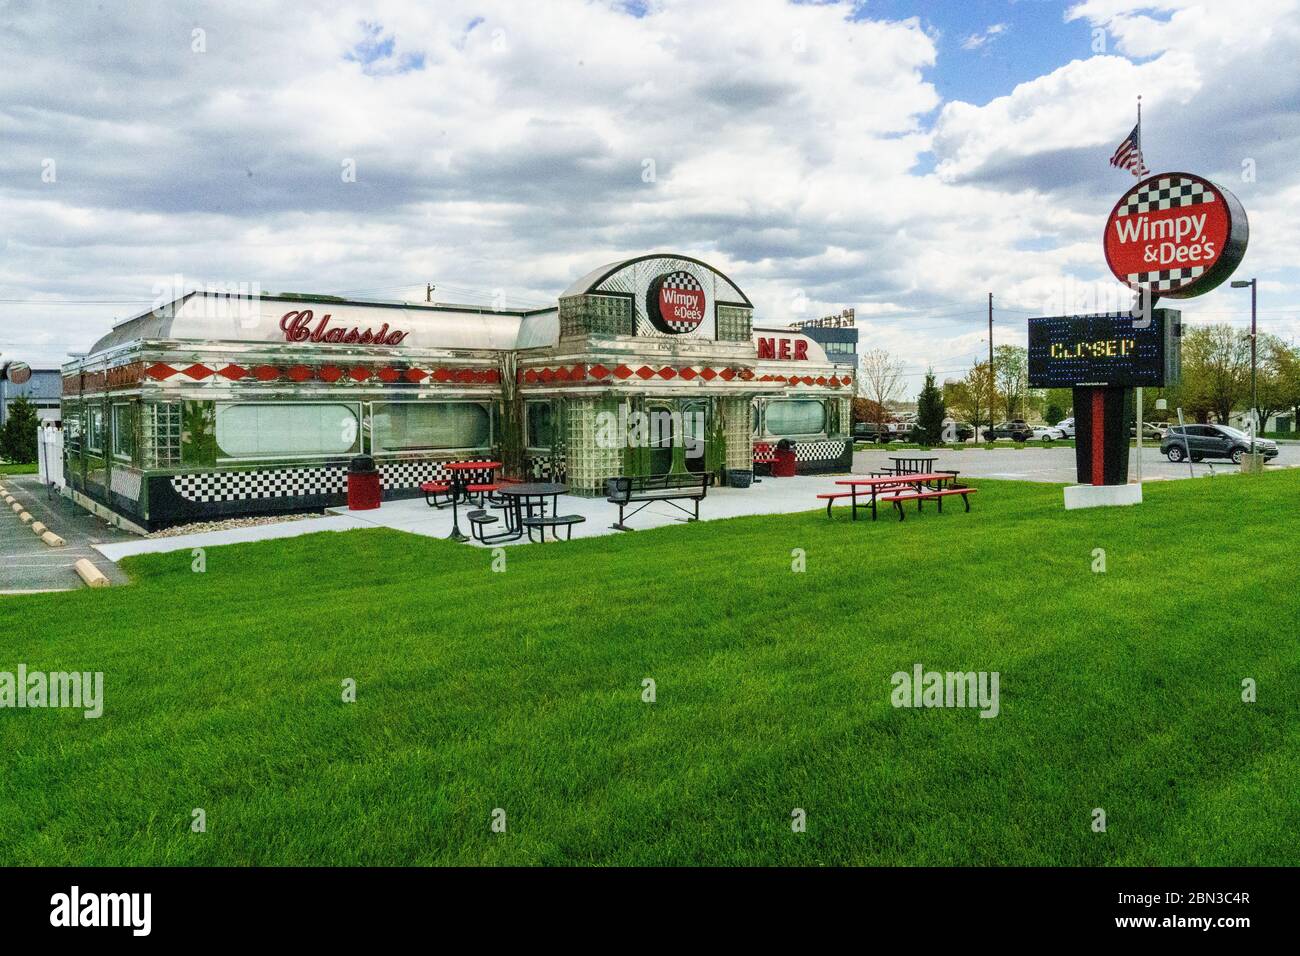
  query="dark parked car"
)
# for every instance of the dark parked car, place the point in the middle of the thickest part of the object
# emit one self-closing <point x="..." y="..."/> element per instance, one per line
<point x="871" y="432"/>
<point x="1016" y="431"/>
<point x="1212" y="441"/>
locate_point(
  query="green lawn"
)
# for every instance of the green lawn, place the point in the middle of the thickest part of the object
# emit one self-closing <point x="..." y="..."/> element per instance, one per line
<point x="522" y="690"/>
<point x="12" y="468"/>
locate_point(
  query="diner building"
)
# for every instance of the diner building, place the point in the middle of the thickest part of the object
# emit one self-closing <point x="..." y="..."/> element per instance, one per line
<point x="219" y="405"/>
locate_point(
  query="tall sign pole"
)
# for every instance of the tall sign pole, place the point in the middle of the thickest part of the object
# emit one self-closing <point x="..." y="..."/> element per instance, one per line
<point x="992" y="381"/>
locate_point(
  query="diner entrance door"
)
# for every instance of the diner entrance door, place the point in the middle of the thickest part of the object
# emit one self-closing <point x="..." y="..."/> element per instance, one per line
<point x="695" y="431"/>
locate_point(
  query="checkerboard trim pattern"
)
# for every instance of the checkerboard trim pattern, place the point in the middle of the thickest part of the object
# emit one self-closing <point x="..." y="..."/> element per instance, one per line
<point x="688" y="283"/>
<point x="1167" y="192"/>
<point x="1165" y="280"/>
<point x="825" y="450"/>
<point x="307" y="482"/>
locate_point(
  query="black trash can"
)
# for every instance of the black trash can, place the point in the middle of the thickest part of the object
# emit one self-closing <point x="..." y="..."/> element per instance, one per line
<point x="739" y="477"/>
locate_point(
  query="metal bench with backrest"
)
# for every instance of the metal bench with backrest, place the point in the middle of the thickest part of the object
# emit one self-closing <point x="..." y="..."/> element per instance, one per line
<point x="644" y="490"/>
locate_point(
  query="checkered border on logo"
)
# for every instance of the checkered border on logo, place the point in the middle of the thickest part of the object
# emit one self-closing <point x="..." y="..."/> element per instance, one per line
<point x="1166" y="280"/>
<point x="1167" y="192"/>
<point x="319" y="481"/>
<point x="687" y="282"/>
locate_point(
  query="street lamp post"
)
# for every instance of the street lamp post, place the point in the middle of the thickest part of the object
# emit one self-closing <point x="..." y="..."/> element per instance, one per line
<point x="1254" y="394"/>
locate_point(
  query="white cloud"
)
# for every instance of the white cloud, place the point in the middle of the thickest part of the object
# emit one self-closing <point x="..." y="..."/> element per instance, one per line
<point x="786" y="141"/>
<point x="978" y="40"/>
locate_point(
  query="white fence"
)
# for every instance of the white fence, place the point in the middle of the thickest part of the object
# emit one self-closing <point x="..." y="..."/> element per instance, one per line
<point x="49" y="455"/>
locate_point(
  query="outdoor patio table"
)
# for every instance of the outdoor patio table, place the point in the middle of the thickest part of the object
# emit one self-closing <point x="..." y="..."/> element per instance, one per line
<point x="874" y="485"/>
<point x="460" y="472"/>
<point x="912" y="466"/>
<point x="529" y="495"/>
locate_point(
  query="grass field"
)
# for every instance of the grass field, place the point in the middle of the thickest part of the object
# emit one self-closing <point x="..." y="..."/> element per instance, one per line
<point x="522" y="690"/>
<point x="12" y="468"/>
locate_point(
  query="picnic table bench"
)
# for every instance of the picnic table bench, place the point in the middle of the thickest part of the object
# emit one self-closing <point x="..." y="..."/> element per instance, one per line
<point x="895" y="490"/>
<point x="645" y="490"/>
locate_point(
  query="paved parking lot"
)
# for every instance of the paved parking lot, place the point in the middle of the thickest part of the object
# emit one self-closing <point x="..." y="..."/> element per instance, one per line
<point x="1054" y="464"/>
<point x="28" y="564"/>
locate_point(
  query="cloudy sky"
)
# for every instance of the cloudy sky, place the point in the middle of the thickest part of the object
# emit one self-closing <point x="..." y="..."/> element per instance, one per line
<point x="902" y="157"/>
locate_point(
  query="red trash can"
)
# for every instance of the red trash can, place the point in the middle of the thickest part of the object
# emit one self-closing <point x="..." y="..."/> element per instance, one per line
<point x="783" y="467"/>
<point x="364" y="492"/>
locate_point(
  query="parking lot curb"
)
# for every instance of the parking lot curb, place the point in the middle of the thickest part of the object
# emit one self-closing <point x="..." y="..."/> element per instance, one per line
<point x="52" y="539"/>
<point x="25" y="517"/>
<point x="90" y="574"/>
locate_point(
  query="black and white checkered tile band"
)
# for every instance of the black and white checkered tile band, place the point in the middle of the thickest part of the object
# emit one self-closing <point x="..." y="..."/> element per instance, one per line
<point x="301" y="482"/>
<point x="683" y="280"/>
<point x="1166" y="279"/>
<point x="825" y="450"/>
<point x="1167" y="192"/>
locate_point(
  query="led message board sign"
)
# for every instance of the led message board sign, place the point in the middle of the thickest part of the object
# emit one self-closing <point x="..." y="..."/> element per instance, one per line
<point x="1112" y="349"/>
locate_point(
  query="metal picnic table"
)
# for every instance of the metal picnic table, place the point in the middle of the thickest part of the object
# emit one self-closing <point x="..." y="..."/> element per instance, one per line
<point x="890" y="483"/>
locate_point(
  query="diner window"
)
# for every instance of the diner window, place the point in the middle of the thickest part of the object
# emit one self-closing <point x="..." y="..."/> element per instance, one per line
<point x="539" y="424"/>
<point x="430" y="426"/>
<point x="94" y="429"/>
<point x="796" y="417"/>
<point x="161" y="434"/>
<point x="286" y="430"/>
<point x="123" y="432"/>
<point x="72" y="427"/>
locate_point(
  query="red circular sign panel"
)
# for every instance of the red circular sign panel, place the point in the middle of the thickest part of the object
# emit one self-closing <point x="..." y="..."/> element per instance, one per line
<point x="675" y="302"/>
<point x="18" y="372"/>
<point x="1176" y="235"/>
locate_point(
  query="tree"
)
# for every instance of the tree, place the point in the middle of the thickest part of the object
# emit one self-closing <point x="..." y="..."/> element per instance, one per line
<point x="865" y="410"/>
<point x="1274" y="360"/>
<point x="1058" y="403"/>
<point x="930" y="412"/>
<point x="971" y="398"/>
<point x="18" y="437"/>
<point x="881" y="377"/>
<point x="1011" y="371"/>
<point x="1286" y="365"/>
<point x="1216" y="372"/>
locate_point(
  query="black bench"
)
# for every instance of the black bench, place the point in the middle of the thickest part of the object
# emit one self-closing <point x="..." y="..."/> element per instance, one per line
<point x="540" y="523"/>
<point x="647" y="489"/>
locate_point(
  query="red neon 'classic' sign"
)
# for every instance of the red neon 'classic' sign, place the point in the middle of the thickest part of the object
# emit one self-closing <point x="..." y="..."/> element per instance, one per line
<point x="779" y="349"/>
<point x="296" y="327"/>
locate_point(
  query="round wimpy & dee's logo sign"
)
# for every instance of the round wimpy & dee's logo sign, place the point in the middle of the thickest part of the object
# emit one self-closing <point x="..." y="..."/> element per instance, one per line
<point x="675" y="302"/>
<point x="1176" y="235"/>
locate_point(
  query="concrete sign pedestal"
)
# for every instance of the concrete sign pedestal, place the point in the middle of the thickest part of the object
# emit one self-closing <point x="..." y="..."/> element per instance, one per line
<point x="1101" y="496"/>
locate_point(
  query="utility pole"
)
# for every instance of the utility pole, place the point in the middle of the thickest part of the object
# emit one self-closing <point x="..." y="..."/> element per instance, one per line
<point x="428" y="292"/>
<point x="992" y="379"/>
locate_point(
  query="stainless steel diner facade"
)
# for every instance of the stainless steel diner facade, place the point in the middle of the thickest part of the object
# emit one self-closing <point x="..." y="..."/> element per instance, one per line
<point x="218" y="406"/>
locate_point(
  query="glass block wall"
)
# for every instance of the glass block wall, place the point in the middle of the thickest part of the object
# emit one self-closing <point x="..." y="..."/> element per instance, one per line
<point x="595" y="315"/>
<point x="736" y="417"/>
<point x="735" y="323"/>
<point x="587" y="464"/>
<point x="160" y="434"/>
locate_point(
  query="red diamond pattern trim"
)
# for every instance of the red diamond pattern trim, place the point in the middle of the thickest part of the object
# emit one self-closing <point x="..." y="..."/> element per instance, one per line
<point x="299" y="373"/>
<point x="708" y="374"/>
<point x="667" y="372"/>
<point x="232" y="372"/>
<point x="645" y="372"/>
<point x="623" y="371"/>
<point x="728" y="374"/>
<point x="330" y="373"/>
<point x="266" y="373"/>
<point x="599" y="372"/>
<point x="160" y="370"/>
<point x="197" y="372"/>
<point x="388" y="374"/>
<point x="688" y="373"/>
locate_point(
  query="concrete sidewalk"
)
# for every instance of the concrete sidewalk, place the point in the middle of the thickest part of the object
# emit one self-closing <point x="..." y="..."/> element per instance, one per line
<point x="27" y="564"/>
<point x="770" y="496"/>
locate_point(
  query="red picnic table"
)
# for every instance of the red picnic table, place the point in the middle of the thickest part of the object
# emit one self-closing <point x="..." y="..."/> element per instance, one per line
<point x="899" y="488"/>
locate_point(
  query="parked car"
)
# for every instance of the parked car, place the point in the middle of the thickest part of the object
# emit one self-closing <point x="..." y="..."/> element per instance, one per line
<point x="1016" y="431"/>
<point x="1212" y="441"/>
<point x="963" y="431"/>
<point x="1066" y="427"/>
<point x="872" y="432"/>
<point x="1150" y="432"/>
<point x="1047" y="433"/>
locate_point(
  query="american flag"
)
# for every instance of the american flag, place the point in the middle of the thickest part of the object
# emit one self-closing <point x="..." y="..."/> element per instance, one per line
<point x="1129" y="154"/>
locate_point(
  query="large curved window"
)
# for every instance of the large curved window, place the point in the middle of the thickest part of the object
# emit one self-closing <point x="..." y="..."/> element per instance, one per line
<point x="286" y="430"/>
<point x="796" y="417"/>
<point x="420" y="426"/>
